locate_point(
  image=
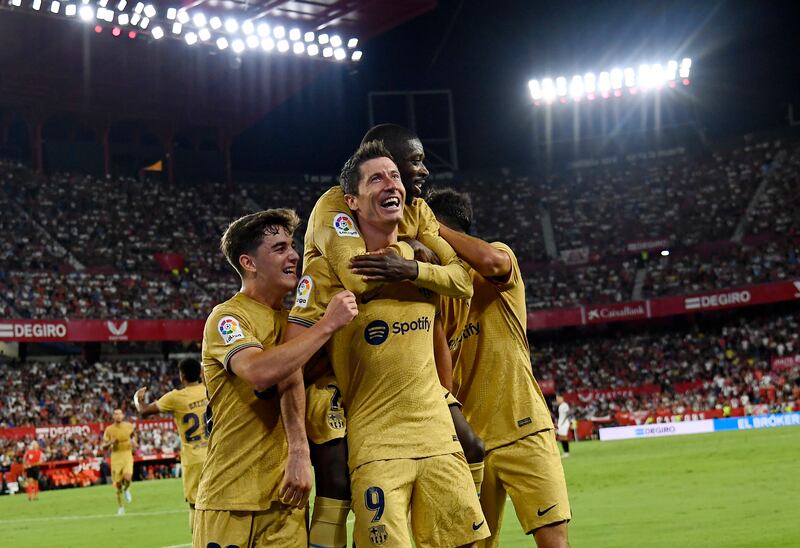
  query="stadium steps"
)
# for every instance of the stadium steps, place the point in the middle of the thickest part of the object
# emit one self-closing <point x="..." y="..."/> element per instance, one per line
<point x="638" y="284"/>
<point x="547" y="233"/>
<point x="738" y="234"/>
<point x="71" y="259"/>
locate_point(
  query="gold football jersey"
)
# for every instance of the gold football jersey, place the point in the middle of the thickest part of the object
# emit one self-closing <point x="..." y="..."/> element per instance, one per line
<point x="332" y="232"/>
<point x="383" y="361"/>
<point x="247" y="447"/>
<point x="493" y="378"/>
<point x="121" y="433"/>
<point x="188" y="406"/>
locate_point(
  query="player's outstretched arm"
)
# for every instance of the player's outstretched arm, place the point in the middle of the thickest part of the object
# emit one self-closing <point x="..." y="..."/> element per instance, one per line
<point x="487" y="260"/>
<point x="266" y="368"/>
<point x="296" y="486"/>
<point x="144" y="409"/>
<point x="441" y="353"/>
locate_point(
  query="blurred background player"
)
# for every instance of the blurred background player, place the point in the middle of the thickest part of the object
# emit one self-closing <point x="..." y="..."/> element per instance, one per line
<point x="494" y="381"/>
<point x="31" y="461"/>
<point x="404" y="455"/>
<point x="119" y="436"/>
<point x="257" y="475"/>
<point x="562" y="425"/>
<point x="188" y="405"/>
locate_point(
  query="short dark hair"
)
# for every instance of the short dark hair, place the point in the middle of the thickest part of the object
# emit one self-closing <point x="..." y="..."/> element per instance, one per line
<point x="351" y="172"/>
<point x="190" y="369"/>
<point x="244" y="235"/>
<point x="395" y="138"/>
<point x="451" y="208"/>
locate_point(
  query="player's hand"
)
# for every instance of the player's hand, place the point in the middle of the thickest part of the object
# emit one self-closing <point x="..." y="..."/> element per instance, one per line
<point x="138" y="398"/>
<point x="296" y="486"/>
<point x="422" y="253"/>
<point x="341" y="310"/>
<point x="384" y="266"/>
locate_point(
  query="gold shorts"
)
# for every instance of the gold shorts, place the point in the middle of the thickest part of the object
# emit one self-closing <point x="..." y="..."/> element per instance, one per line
<point x="279" y="526"/>
<point x="191" y="480"/>
<point x="121" y="466"/>
<point x="325" y="419"/>
<point x="445" y="511"/>
<point x="530" y="471"/>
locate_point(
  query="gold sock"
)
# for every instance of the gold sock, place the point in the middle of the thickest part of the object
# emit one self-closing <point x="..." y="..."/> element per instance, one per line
<point x="476" y="469"/>
<point x="329" y="523"/>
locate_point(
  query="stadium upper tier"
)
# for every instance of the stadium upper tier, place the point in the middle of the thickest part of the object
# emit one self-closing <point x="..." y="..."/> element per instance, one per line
<point x="86" y="247"/>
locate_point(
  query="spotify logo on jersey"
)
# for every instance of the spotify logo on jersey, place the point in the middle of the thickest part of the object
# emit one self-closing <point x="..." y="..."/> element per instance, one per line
<point x="376" y="332"/>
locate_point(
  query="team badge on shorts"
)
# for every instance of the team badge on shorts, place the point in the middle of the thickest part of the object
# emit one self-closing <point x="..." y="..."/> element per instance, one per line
<point x="303" y="291"/>
<point x="229" y="329"/>
<point x="344" y="225"/>
<point x="378" y="534"/>
<point x="336" y="420"/>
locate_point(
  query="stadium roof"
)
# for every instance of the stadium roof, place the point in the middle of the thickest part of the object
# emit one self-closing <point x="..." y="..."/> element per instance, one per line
<point x="54" y="65"/>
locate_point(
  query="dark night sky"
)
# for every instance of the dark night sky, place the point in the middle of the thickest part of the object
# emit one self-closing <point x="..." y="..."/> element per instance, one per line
<point x="745" y="70"/>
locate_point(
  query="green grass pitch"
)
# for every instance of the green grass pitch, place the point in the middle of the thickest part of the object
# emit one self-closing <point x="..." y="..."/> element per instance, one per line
<point x="727" y="489"/>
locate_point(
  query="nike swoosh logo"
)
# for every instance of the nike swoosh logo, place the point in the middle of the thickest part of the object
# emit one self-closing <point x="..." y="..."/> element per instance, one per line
<point x="476" y="527"/>
<point x="543" y="512"/>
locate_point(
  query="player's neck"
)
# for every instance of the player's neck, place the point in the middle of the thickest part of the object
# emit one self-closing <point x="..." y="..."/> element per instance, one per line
<point x="267" y="295"/>
<point x="377" y="236"/>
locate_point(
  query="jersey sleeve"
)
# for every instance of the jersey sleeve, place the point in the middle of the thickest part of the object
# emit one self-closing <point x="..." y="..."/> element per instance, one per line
<point x="332" y="232"/>
<point x="314" y="292"/>
<point x="226" y="333"/>
<point x="515" y="276"/>
<point x="166" y="403"/>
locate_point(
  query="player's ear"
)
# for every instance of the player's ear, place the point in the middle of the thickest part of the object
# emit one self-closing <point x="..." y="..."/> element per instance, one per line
<point x="352" y="201"/>
<point x="247" y="263"/>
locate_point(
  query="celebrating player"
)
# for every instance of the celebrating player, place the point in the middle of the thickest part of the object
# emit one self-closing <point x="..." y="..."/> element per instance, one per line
<point x="494" y="380"/>
<point x="257" y="475"/>
<point x="119" y="436"/>
<point x="403" y="451"/>
<point x="188" y="406"/>
<point x="31" y="461"/>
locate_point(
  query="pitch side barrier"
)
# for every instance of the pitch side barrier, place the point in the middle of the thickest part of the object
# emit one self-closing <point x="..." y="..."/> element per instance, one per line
<point x="699" y="427"/>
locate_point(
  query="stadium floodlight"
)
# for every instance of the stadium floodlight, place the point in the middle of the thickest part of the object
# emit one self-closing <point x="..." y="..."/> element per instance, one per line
<point x="108" y="16"/>
<point x="685" y="68"/>
<point x="324" y="39"/>
<point x="204" y="35"/>
<point x="279" y="32"/>
<point x="357" y="55"/>
<point x="657" y="75"/>
<point x="672" y="70"/>
<point x="536" y="89"/>
<point x="139" y="8"/>
<point x="299" y="47"/>
<point x="103" y="3"/>
<point x="215" y="23"/>
<point x="199" y="20"/>
<point x="548" y="90"/>
<point x="150" y="10"/>
<point x="589" y="83"/>
<point x="309" y="37"/>
<point x="71" y="10"/>
<point x="312" y="50"/>
<point x="191" y="38"/>
<point x="267" y="44"/>
<point x="100" y="14"/>
<point x="630" y="77"/>
<point x="183" y="17"/>
<point x="86" y="13"/>
<point x="16" y="3"/>
<point x="336" y="41"/>
<point x="561" y="86"/>
<point x="231" y="25"/>
<point x="135" y="18"/>
<point x="55" y="6"/>
<point x="176" y="28"/>
<point x="576" y="88"/>
<point x="144" y="23"/>
<point x="157" y="33"/>
<point x="37" y="5"/>
<point x="122" y="4"/>
<point x="123" y="19"/>
<point x="248" y="27"/>
<point x="352" y="43"/>
<point x="644" y="77"/>
<point x="604" y="83"/>
<point x="252" y="41"/>
<point x="665" y="252"/>
<point x="339" y="54"/>
<point x="172" y="13"/>
<point x="222" y="43"/>
<point x="327" y="52"/>
<point x="283" y="46"/>
<point x="616" y="78"/>
<point x="238" y="45"/>
<point x="263" y="30"/>
<point x="294" y="34"/>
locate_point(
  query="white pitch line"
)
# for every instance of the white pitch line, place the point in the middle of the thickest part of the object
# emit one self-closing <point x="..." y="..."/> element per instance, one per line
<point x="178" y="546"/>
<point x="92" y="516"/>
